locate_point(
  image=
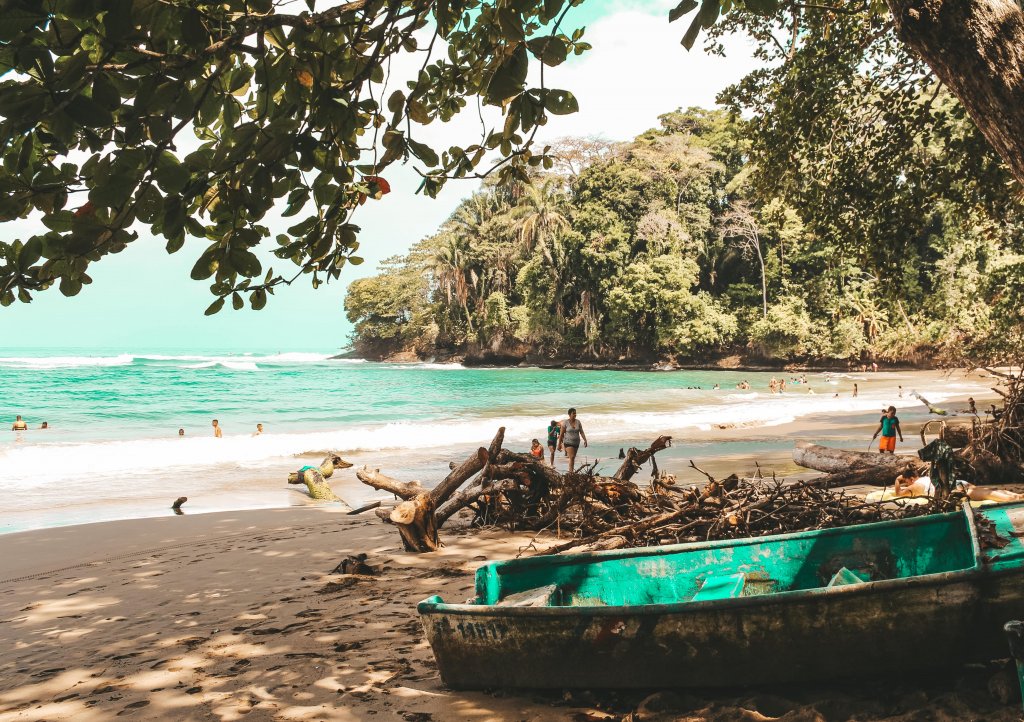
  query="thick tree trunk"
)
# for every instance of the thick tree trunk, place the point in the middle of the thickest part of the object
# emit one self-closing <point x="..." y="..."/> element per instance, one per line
<point x="975" y="47"/>
<point x="823" y="458"/>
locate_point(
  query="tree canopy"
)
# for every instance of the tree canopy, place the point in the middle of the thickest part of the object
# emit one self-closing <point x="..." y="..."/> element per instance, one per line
<point x="712" y="235"/>
<point x="199" y="119"/>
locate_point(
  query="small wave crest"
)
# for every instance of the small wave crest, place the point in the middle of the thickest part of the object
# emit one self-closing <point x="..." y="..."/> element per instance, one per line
<point x="64" y="362"/>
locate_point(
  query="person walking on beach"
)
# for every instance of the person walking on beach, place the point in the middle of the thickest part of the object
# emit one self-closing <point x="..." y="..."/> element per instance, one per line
<point x="554" y="431"/>
<point x="572" y="432"/>
<point x="217" y="430"/>
<point x="889" y="426"/>
<point x="855" y="391"/>
<point x="19" y="425"/>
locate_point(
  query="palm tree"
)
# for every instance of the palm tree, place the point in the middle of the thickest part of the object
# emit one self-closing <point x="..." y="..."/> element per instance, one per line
<point x="453" y="275"/>
<point x="540" y="216"/>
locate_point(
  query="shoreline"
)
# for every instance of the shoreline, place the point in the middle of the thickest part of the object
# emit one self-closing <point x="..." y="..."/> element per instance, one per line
<point x="221" y="616"/>
<point x="722" y="446"/>
<point x="725" y="362"/>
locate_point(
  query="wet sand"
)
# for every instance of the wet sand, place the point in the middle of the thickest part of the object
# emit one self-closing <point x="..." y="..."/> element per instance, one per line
<point x="238" y="615"/>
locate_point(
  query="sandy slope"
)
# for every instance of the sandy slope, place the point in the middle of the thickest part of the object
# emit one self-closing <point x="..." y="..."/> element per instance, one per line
<point x="231" y="615"/>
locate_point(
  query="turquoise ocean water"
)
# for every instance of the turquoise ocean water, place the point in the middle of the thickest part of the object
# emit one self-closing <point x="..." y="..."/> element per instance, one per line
<point x="113" y="449"/>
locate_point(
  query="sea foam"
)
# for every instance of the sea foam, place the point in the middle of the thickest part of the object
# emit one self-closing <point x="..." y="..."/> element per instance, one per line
<point x="29" y="465"/>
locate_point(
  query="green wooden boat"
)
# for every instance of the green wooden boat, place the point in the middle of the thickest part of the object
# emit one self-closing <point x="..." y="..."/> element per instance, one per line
<point x="892" y="596"/>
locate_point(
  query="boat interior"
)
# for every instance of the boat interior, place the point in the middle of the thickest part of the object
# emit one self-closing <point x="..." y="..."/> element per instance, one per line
<point x="722" y="570"/>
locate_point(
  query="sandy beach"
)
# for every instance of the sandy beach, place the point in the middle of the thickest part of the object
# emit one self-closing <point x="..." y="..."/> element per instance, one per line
<point x="238" y="615"/>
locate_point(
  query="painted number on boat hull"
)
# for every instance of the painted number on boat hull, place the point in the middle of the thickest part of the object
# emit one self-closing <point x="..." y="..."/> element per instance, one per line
<point x="483" y="631"/>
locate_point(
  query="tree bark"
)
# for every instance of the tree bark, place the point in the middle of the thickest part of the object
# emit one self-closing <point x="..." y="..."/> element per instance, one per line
<point x="823" y="458"/>
<point x="975" y="47"/>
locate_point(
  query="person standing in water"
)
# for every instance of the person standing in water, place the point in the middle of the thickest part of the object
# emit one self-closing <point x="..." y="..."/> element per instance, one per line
<point x="572" y="432"/>
<point x="554" y="430"/>
<point x="19" y="424"/>
<point x="889" y="426"/>
<point x="259" y="429"/>
<point x="217" y="432"/>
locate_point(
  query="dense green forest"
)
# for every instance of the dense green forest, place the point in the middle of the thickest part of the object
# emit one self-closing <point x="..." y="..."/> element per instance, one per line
<point x="839" y="206"/>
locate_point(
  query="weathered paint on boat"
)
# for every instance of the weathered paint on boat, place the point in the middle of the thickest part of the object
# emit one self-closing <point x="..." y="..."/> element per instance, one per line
<point x="627" y="618"/>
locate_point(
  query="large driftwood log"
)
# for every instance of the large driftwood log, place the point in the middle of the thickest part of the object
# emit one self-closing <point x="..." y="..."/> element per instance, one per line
<point x="869" y="475"/>
<point x="824" y="458"/>
<point x="636" y="458"/>
<point x="402" y="489"/>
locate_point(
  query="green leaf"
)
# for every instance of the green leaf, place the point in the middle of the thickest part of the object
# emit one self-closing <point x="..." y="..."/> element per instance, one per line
<point x="681" y="9"/>
<point x="709" y="11"/>
<point x="561" y="102"/>
<point x="170" y="174"/>
<point x="207" y="264"/>
<point x="424" y="152"/>
<point x="19" y="17"/>
<point x="236" y="301"/>
<point x="691" y="33"/>
<point x="104" y="92"/>
<point x="510" y="77"/>
<point x="258" y="299"/>
<point x="510" y="23"/>
<point x="551" y="50"/>
<point x="86" y="111"/>
<point x="246" y="263"/>
<point x="193" y="32"/>
<point x="113" y="191"/>
<point x="214" y="307"/>
<point x="396" y="101"/>
<point x="30" y="253"/>
<point x="118" y="21"/>
<point x="551" y="10"/>
<point x="70" y="286"/>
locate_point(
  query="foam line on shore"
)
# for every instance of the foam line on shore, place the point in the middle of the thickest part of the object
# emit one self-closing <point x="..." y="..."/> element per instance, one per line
<point x="31" y="465"/>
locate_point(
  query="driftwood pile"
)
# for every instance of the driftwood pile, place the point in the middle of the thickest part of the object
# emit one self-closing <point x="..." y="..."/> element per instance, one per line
<point x="591" y="511"/>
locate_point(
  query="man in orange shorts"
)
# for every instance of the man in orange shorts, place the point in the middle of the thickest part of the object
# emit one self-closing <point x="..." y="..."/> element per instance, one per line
<point x="889" y="426"/>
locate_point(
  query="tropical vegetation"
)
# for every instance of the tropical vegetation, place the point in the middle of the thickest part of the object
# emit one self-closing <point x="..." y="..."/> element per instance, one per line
<point x="842" y="233"/>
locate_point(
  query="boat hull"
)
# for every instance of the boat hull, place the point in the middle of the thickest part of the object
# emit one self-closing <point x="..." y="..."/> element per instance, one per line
<point x="931" y="597"/>
<point x="837" y="633"/>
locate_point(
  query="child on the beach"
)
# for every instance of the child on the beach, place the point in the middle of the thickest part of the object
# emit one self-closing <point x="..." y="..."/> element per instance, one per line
<point x="554" y="429"/>
<point x="536" y="450"/>
<point x="889" y="426"/>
